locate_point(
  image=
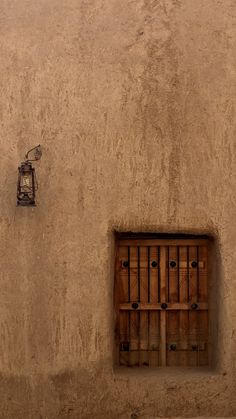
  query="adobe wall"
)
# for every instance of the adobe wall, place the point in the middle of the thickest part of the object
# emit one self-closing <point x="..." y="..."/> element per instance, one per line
<point x="134" y="105"/>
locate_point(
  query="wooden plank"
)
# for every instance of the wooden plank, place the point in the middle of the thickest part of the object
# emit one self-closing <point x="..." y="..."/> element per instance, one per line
<point x="193" y="338"/>
<point x="154" y="338"/>
<point x="143" y="347"/>
<point x="173" y="316"/>
<point x="123" y="338"/>
<point x="163" y="300"/>
<point x="163" y="339"/>
<point x="173" y="285"/>
<point x="193" y="298"/>
<point x="143" y="315"/>
<point x="203" y="275"/>
<point x="143" y="263"/>
<point x="203" y="339"/>
<point x="134" y="321"/>
<point x="134" y="339"/>
<point x="143" y="274"/>
<point x="203" y="316"/>
<point x="183" y="348"/>
<point x="163" y="242"/>
<point x="122" y="276"/>
<point x="133" y="276"/>
<point x="173" y="358"/>
<point x="154" y="316"/>
<point x="170" y="306"/>
<point x="193" y="276"/>
<point x="117" y="311"/>
<point x="183" y="344"/>
<point x="154" y="286"/>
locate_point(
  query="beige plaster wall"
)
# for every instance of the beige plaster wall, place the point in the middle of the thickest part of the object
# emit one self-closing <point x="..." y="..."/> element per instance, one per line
<point x="133" y="102"/>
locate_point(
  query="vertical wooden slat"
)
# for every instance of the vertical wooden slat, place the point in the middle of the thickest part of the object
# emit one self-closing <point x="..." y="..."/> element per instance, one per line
<point x="122" y="277"/>
<point x="143" y="315"/>
<point x="198" y="276"/>
<point x="203" y="297"/>
<point x="193" y="298"/>
<point x="138" y="274"/>
<point x="134" y="295"/>
<point x="173" y="316"/>
<point x="183" y="315"/>
<point x="163" y="300"/>
<point x="154" y="326"/>
<point x="148" y="271"/>
<point x="178" y="274"/>
<point x="193" y="275"/>
<point x="128" y="273"/>
<point x="134" y="339"/>
<point x="154" y="297"/>
<point x="173" y="275"/>
<point x="203" y="285"/>
<point x="154" y="339"/>
<point x="117" y="313"/>
<point x="188" y="272"/>
<point x="121" y="296"/>
<point x="168" y="274"/>
<point x="203" y="354"/>
<point x="173" y="338"/>
<point x="183" y="276"/>
<point x="143" y="274"/>
<point x="124" y="337"/>
<point x="133" y="275"/>
<point x="149" y="300"/>
<point x="158" y="274"/>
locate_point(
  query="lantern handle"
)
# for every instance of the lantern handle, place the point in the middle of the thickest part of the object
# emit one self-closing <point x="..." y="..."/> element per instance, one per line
<point x="37" y="154"/>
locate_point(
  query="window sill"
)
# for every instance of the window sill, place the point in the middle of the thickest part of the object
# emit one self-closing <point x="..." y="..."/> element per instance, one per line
<point x="177" y="374"/>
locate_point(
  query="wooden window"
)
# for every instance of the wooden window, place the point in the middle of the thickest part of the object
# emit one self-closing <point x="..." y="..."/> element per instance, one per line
<point x="161" y="301"/>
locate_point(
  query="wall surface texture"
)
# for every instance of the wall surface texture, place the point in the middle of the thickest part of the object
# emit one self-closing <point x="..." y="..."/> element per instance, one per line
<point x="133" y="102"/>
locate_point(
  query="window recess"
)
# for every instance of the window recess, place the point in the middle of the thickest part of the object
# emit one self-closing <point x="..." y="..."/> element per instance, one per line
<point x="161" y="301"/>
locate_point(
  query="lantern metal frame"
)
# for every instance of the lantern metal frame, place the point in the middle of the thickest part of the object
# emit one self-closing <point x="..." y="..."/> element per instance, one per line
<point x="27" y="183"/>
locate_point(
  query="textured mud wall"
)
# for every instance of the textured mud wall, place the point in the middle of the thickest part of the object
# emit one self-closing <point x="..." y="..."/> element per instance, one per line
<point x="134" y="105"/>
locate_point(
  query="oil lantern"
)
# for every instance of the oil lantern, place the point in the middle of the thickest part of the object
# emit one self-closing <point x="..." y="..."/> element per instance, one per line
<point x="27" y="182"/>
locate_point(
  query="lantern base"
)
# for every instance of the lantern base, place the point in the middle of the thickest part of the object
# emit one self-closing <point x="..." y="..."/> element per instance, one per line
<point x="25" y="204"/>
<point x="25" y="201"/>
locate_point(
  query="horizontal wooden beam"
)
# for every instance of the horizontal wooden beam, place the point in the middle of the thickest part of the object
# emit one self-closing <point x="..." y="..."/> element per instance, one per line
<point x="171" y="306"/>
<point x="144" y="264"/>
<point x="163" y="242"/>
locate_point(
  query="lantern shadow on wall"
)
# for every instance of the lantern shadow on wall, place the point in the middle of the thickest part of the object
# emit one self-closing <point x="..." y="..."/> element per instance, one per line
<point x="27" y="183"/>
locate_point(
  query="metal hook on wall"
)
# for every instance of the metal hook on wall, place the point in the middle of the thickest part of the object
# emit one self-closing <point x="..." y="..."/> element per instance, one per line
<point x="37" y="153"/>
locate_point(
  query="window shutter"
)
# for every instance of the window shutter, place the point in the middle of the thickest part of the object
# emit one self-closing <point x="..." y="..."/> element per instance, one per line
<point x="161" y="300"/>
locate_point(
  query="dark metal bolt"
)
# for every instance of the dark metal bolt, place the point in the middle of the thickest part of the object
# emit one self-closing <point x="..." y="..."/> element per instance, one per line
<point x="154" y="263"/>
<point x="173" y="347"/>
<point x="135" y="305"/>
<point x="126" y="264"/>
<point x="194" y="306"/>
<point x="194" y="347"/>
<point x="124" y="346"/>
<point x="194" y="264"/>
<point x="164" y="306"/>
<point x="172" y="264"/>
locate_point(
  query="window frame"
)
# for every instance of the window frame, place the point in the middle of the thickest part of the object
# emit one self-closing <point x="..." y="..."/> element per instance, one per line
<point x="153" y="239"/>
